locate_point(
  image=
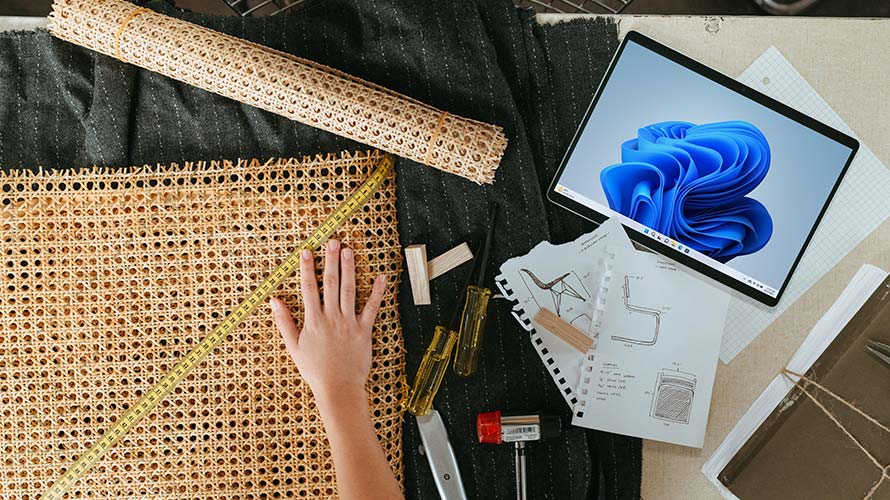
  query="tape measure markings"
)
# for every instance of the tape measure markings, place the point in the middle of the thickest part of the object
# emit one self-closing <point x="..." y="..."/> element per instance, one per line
<point x="171" y="379"/>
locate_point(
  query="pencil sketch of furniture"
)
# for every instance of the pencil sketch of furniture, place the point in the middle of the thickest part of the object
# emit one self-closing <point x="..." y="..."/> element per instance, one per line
<point x="673" y="396"/>
<point x="633" y="308"/>
<point x="581" y="319"/>
<point x="559" y="288"/>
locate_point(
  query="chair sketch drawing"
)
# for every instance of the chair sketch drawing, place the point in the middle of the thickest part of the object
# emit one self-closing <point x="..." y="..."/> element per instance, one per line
<point x="636" y="309"/>
<point x="558" y="288"/>
<point x="673" y="396"/>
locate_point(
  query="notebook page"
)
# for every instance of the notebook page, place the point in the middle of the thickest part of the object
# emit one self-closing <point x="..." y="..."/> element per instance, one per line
<point x="658" y="335"/>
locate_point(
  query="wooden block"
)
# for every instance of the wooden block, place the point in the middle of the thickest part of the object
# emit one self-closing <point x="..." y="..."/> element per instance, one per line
<point x="415" y="258"/>
<point x="561" y="328"/>
<point x="449" y="260"/>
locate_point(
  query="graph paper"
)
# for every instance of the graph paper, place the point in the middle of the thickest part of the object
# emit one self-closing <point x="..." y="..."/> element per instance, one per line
<point x="860" y="205"/>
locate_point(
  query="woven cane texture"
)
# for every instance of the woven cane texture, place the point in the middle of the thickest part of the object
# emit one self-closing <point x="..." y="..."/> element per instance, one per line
<point x="111" y="276"/>
<point x="298" y="89"/>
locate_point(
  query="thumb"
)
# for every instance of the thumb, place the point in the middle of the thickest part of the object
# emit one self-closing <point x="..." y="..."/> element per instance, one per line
<point x="285" y="323"/>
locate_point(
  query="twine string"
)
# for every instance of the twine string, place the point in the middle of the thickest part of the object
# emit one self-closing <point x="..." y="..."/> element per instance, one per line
<point x="874" y="488"/>
<point x="436" y="132"/>
<point x="885" y="469"/>
<point x="122" y="27"/>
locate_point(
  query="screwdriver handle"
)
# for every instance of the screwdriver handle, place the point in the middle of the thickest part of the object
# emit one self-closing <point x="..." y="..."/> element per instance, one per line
<point x="472" y="331"/>
<point x="432" y="370"/>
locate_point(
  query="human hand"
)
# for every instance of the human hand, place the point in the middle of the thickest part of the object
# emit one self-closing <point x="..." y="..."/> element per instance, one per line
<point x="333" y="350"/>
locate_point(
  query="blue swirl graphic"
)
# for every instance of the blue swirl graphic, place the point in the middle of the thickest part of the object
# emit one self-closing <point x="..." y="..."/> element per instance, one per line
<point x="689" y="182"/>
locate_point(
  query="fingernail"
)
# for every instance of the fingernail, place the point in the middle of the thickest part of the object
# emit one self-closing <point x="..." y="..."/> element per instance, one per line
<point x="332" y="244"/>
<point x="347" y="253"/>
<point x="273" y="303"/>
<point x="306" y="254"/>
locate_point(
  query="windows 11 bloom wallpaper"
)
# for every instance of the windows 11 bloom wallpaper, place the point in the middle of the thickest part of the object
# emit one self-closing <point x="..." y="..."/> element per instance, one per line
<point x="691" y="183"/>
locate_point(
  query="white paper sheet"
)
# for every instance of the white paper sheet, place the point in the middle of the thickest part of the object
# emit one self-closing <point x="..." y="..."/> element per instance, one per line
<point x="860" y="205"/>
<point x="658" y="331"/>
<point x="556" y="277"/>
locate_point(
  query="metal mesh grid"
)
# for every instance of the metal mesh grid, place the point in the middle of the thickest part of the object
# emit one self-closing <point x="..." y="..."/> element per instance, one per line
<point x="246" y="8"/>
<point x="272" y="7"/>
<point x="576" y="6"/>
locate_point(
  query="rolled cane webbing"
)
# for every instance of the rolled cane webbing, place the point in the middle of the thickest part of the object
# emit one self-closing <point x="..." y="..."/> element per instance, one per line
<point x="295" y="88"/>
<point x="111" y="276"/>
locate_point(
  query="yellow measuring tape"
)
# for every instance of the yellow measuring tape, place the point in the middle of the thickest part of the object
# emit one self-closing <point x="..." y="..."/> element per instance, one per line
<point x="157" y="393"/>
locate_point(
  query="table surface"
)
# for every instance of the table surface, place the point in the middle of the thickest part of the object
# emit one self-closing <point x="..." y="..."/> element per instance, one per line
<point x="845" y="61"/>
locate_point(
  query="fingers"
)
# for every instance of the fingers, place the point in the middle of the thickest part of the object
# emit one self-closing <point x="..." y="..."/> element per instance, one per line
<point x="331" y="278"/>
<point x="347" y="282"/>
<point x="308" y="286"/>
<point x="285" y="323"/>
<point x="369" y="313"/>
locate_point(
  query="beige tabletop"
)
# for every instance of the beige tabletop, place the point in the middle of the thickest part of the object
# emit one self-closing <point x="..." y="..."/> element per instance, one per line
<point x="847" y="62"/>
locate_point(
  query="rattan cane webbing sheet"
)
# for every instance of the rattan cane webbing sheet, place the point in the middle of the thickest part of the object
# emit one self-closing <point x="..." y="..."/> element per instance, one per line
<point x="111" y="276"/>
<point x="280" y="83"/>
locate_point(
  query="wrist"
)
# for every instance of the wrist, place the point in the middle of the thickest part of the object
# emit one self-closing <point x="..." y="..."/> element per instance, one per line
<point x="346" y="397"/>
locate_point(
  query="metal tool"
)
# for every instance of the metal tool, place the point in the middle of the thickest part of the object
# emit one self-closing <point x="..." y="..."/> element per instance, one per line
<point x="434" y="364"/>
<point x="495" y="428"/>
<point x="879" y="350"/>
<point x="441" y="456"/>
<point x="472" y="322"/>
<point x="180" y="371"/>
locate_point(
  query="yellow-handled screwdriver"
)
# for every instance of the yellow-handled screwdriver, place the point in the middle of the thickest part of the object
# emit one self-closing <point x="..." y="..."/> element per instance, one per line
<point x="434" y="363"/>
<point x="472" y="321"/>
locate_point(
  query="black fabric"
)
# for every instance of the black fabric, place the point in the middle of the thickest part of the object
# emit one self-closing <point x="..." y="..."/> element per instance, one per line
<point x="63" y="106"/>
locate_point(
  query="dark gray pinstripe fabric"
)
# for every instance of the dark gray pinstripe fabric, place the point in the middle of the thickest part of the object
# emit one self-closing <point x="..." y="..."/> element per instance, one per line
<point x="64" y="106"/>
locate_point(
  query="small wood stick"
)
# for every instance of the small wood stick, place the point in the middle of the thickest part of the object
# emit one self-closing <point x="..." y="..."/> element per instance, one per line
<point x="449" y="260"/>
<point x="415" y="258"/>
<point x="561" y="328"/>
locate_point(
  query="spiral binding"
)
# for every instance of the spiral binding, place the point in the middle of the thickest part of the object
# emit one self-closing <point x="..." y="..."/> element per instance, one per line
<point x="565" y="388"/>
<point x="584" y="385"/>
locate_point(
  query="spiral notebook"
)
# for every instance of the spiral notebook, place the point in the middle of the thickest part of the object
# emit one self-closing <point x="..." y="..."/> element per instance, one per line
<point x="658" y="328"/>
<point x="557" y="277"/>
